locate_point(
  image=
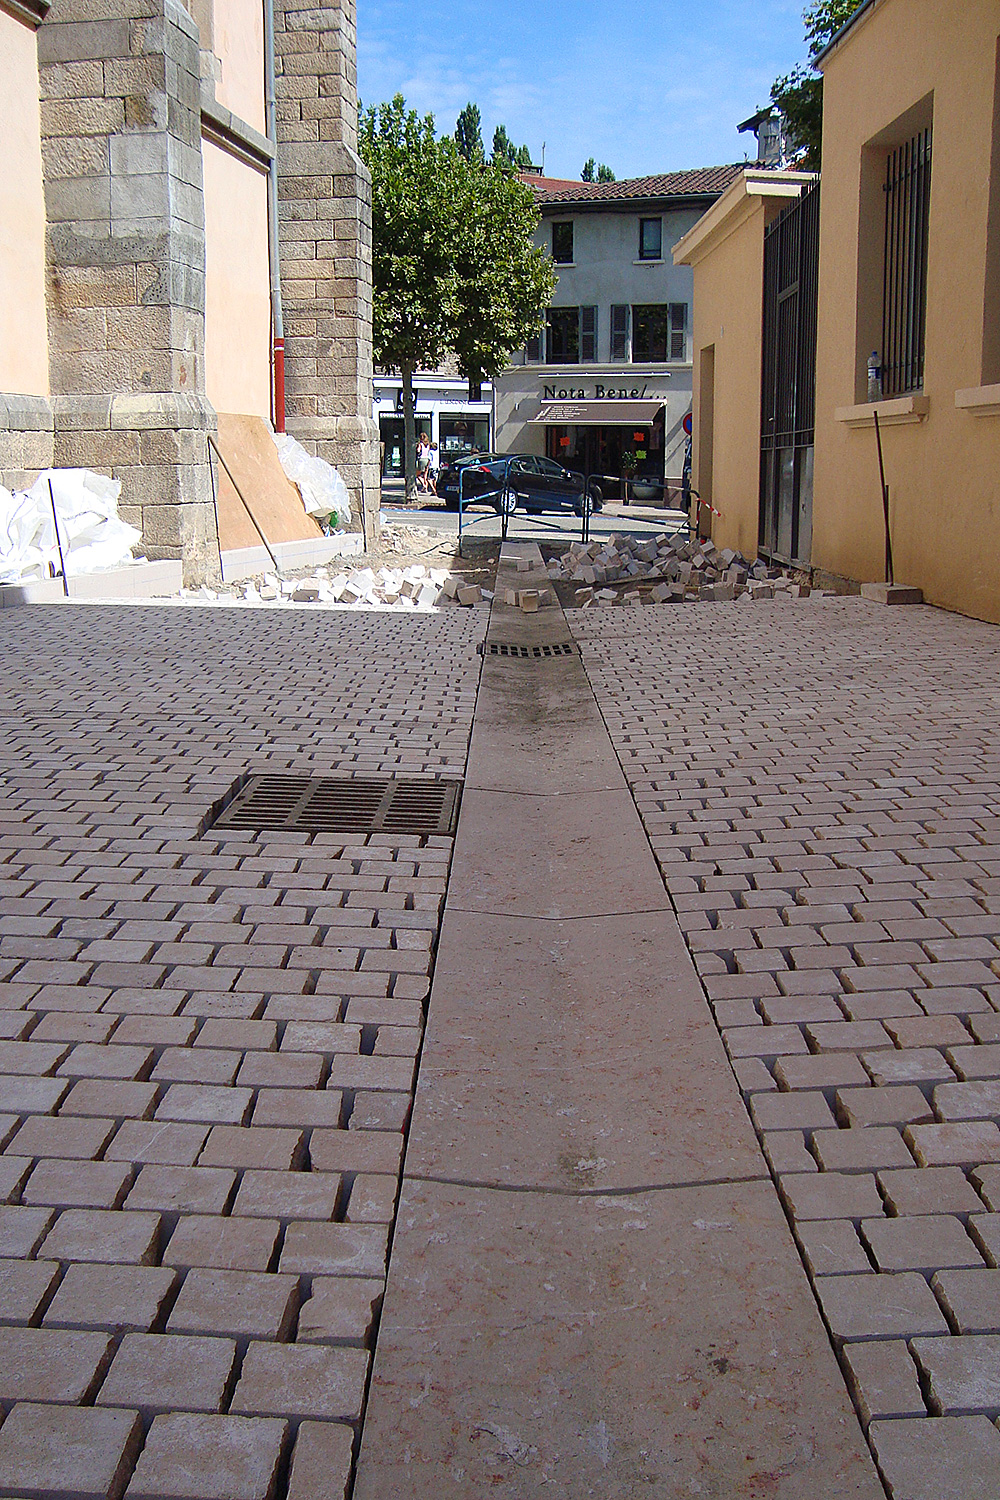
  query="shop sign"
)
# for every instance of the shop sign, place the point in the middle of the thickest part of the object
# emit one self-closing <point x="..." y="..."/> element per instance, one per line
<point x="599" y="393"/>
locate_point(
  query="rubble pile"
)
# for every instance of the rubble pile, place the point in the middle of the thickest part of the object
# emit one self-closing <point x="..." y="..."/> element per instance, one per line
<point x="673" y="570"/>
<point x="405" y="588"/>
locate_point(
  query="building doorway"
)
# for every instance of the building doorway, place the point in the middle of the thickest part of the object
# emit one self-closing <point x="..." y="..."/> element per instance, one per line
<point x="618" y="456"/>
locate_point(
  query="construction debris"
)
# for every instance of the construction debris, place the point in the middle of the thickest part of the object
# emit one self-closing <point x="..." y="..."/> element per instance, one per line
<point x="680" y="568"/>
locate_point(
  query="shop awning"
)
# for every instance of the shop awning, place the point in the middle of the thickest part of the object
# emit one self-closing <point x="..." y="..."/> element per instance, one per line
<point x="595" y="413"/>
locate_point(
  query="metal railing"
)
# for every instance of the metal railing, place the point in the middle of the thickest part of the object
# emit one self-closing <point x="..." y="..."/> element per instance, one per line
<point x="506" y="511"/>
<point x="904" y="303"/>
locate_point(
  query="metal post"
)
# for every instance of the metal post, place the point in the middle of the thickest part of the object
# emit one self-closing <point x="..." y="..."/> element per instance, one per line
<point x="503" y="502"/>
<point x="885" y="503"/>
<point x="62" y="560"/>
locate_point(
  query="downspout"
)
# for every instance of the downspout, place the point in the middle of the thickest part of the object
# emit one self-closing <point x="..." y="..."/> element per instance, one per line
<point x="273" y="244"/>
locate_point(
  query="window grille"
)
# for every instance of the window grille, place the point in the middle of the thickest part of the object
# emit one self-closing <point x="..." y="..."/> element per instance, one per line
<point x="619" y="331"/>
<point x="904" y="303"/>
<point x="678" y="330"/>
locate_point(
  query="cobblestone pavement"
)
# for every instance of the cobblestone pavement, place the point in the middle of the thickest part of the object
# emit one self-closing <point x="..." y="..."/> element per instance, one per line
<point x="207" y="1039"/>
<point x="820" y="782"/>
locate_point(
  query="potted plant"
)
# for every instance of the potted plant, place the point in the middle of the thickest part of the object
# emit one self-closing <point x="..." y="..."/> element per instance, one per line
<point x="629" y="465"/>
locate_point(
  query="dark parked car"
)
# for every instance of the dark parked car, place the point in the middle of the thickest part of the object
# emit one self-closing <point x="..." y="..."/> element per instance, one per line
<point x="516" y="481"/>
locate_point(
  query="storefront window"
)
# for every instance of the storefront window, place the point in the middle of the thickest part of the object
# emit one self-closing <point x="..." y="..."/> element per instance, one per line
<point x="460" y="435"/>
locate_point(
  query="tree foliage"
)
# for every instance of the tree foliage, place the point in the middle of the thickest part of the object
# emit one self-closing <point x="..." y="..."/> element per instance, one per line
<point x="594" y="173"/>
<point x="799" y="94"/>
<point x="454" y="269"/>
<point x="469" y="134"/>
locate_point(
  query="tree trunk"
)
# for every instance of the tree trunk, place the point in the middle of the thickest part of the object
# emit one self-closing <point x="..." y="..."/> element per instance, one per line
<point x="409" y="432"/>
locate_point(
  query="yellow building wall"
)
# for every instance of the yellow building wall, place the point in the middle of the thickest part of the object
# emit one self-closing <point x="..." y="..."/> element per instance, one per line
<point x="24" y="360"/>
<point x="728" y="293"/>
<point x="237" y="304"/>
<point x="943" y="471"/>
<point x="239" y="45"/>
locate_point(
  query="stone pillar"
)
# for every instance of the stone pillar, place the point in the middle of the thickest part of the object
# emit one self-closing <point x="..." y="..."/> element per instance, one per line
<point x="325" y="214"/>
<point x="121" y="142"/>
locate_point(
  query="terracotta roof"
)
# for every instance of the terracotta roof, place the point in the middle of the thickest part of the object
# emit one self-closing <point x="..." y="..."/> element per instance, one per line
<point x="699" y="182"/>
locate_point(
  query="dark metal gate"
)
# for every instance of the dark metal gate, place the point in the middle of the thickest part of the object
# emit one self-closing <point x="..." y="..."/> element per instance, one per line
<point x="788" y="379"/>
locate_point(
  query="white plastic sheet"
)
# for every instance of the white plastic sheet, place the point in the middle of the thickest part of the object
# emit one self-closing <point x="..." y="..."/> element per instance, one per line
<point x="93" y="537"/>
<point x="323" y="492"/>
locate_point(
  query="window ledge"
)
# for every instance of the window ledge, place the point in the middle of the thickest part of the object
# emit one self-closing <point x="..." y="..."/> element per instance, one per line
<point x="564" y="265"/>
<point x="979" y="400"/>
<point x="649" y="262"/>
<point x="896" y="413"/>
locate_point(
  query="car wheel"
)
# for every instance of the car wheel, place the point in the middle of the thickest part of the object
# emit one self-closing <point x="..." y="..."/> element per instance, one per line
<point x="507" y="503"/>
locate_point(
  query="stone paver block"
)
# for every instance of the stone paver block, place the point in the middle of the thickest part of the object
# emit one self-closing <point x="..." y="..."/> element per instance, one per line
<point x="928" y="1031"/>
<point x="50" y="1364"/>
<point x="924" y="1243"/>
<point x="186" y="1190"/>
<point x="961" y="1143"/>
<point x="302" y="1380"/>
<point x="375" y="1110"/>
<point x="321" y="1462"/>
<point x="890" y="1105"/>
<point x="946" y="1458"/>
<point x="25" y="1095"/>
<point x="976" y="1062"/>
<point x="200" y="1456"/>
<point x="971" y="1299"/>
<point x="831" y="1195"/>
<point x="13" y="1173"/>
<point x="23" y="1229"/>
<point x="987" y="1180"/>
<point x="862" y="1150"/>
<point x="883" y="1380"/>
<point x="355" y="1151"/>
<point x="211" y="1103"/>
<point x="831" y="1247"/>
<point x="119" y="1299"/>
<point x="223" y="1243"/>
<point x="24" y="1287"/>
<point x="98" y="1235"/>
<point x="68" y="1452"/>
<point x="929" y="1190"/>
<point x="847" y="1036"/>
<point x="968" y="1101"/>
<point x="90" y="1060"/>
<point x="831" y="1070"/>
<point x="73" y="1184"/>
<point x="963" y="1374"/>
<point x="879" y="1307"/>
<point x="305" y="1108"/>
<point x="157" y="1141"/>
<point x="246" y="1304"/>
<point x="796" y="1111"/>
<point x="335" y="1249"/>
<point x="74" y="1138"/>
<point x="786" y="1151"/>
<point x="269" y="1149"/>
<point x="915" y="1065"/>
<point x="341" y="1310"/>
<point x="288" y="1195"/>
<point x="985" y="1230"/>
<point x="160" y="1373"/>
<point x="373" y="1199"/>
<point x="110" y="1099"/>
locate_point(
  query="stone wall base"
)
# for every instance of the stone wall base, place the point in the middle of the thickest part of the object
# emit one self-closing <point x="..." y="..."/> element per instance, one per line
<point x="26" y="435"/>
<point x="351" y="445"/>
<point x="156" y="443"/>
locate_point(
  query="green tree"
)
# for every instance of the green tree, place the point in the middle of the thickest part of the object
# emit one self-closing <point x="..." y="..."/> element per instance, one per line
<point x="799" y="95"/>
<point x="414" y="303"/>
<point x="594" y="173"/>
<point x="503" y="279"/>
<point x="605" y="174"/>
<point x="522" y="159"/>
<point x="468" y="134"/>
<point x="454" y="269"/>
<point x="504" y="149"/>
<point x="589" y="167"/>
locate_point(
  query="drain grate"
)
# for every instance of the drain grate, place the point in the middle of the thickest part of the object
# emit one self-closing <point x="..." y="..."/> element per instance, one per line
<point x="344" y="804"/>
<point x="507" y="648"/>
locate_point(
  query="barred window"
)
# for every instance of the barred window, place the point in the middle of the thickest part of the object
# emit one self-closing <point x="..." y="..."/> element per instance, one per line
<point x="904" y="303"/>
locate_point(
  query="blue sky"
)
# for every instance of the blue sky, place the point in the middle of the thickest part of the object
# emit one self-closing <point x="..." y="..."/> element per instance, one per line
<point x="644" y="85"/>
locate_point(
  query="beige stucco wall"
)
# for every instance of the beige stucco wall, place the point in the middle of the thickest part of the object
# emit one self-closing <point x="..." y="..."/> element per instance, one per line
<point x="943" y="471"/>
<point x="237" y="308"/>
<point x="238" y="28"/>
<point x="24" y="362"/>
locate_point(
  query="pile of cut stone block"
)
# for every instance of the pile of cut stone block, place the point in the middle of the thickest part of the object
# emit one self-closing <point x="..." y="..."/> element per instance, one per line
<point x="413" y="587"/>
<point x="674" y="570"/>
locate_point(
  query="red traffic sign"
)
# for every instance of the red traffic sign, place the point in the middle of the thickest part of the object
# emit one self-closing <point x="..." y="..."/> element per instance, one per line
<point x="688" y="424"/>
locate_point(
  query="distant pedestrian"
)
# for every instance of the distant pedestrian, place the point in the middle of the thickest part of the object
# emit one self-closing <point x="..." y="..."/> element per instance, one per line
<point x="433" y="468"/>
<point x="423" y="461"/>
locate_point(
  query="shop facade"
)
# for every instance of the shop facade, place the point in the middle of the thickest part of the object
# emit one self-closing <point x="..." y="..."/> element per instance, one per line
<point x="606" y="384"/>
<point x="442" y="410"/>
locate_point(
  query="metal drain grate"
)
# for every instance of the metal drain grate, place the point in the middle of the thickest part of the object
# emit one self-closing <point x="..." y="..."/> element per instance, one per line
<point x="507" y="648"/>
<point x="344" y="804"/>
